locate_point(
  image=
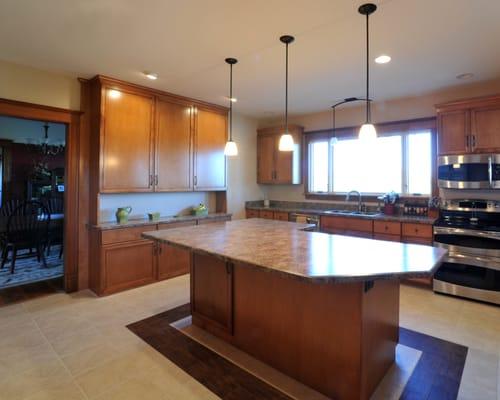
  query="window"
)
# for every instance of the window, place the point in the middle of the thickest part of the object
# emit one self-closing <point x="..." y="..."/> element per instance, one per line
<point x="400" y="162"/>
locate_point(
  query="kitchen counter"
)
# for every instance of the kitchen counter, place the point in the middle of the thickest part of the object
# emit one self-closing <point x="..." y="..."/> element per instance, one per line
<point x="338" y="318"/>
<point x="286" y="248"/>
<point x="330" y="212"/>
<point x="162" y="220"/>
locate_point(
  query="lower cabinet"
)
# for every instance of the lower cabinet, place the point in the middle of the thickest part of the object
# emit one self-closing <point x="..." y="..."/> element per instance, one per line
<point x="359" y="227"/>
<point x="212" y="298"/>
<point x="172" y="261"/>
<point x="128" y="265"/>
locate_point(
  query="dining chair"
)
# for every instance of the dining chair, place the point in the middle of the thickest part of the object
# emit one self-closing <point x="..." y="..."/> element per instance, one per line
<point x="27" y="228"/>
<point x="55" y="206"/>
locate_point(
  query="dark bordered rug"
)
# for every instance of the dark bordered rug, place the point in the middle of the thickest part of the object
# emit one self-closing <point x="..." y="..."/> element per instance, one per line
<point x="436" y="376"/>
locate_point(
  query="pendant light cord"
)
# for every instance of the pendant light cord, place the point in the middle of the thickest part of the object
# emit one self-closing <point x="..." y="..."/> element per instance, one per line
<point x="368" y="107"/>
<point x="230" y="102"/>
<point x="286" y="91"/>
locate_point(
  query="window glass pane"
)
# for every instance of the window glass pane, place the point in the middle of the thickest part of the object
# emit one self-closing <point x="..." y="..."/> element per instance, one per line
<point x="318" y="166"/>
<point x="368" y="166"/>
<point x="419" y="163"/>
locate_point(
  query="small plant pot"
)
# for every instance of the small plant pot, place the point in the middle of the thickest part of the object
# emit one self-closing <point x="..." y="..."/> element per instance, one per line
<point x="389" y="209"/>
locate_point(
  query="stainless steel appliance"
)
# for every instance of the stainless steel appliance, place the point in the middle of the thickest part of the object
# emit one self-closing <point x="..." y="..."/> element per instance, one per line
<point x="470" y="231"/>
<point x="306" y="219"/>
<point x="471" y="171"/>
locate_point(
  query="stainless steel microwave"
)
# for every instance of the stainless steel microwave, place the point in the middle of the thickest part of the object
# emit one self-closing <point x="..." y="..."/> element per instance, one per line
<point x="470" y="171"/>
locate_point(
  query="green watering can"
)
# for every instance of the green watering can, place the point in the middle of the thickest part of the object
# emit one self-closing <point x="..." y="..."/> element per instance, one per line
<point x="122" y="214"/>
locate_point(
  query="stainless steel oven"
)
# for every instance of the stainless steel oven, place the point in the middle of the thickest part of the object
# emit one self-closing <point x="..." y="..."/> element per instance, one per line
<point x="470" y="231"/>
<point x="470" y="171"/>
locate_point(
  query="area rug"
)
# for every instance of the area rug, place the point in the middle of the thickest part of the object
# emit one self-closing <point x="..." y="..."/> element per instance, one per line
<point x="29" y="270"/>
<point x="435" y="373"/>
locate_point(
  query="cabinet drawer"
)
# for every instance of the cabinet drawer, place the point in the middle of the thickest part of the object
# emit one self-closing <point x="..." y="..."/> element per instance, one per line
<point x="266" y="214"/>
<point x="386" y="227"/>
<point x="281" y="216"/>
<point x="390" y="238"/>
<point x="125" y="234"/>
<point x="417" y="230"/>
<point x="252" y="213"/>
<point x="347" y="223"/>
<point x="176" y="225"/>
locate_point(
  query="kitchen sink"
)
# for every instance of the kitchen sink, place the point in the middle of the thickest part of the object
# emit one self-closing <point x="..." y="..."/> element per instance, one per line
<point x="351" y="212"/>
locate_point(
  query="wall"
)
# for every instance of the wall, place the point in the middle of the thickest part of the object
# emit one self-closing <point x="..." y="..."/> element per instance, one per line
<point x="32" y="85"/>
<point x="383" y="111"/>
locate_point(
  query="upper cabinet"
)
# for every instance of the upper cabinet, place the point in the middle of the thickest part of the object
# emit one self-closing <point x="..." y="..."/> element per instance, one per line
<point x="144" y="140"/>
<point x="275" y="166"/>
<point x="127" y="135"/>
<point x="469" y="126"/>
<point x="209" y="141"/>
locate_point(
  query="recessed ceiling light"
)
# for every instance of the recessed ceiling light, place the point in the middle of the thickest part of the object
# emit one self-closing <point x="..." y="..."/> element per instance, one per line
<point x="233" y="99"/>
<point x="465" y="76"/>
<point x="114" y="94"/>
<point x="383" y="59"/>
<point x="151" y="75"/>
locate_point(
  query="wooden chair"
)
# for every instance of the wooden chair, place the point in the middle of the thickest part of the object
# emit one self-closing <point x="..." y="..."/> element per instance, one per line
<point x="27" y="228"/>
<point x="55" y="205"/>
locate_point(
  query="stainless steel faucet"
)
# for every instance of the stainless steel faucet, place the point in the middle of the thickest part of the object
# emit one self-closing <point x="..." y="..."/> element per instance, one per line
<point x="360" y="204"/>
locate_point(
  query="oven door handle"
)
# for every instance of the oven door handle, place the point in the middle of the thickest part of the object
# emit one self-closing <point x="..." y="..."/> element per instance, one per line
<point x="477" y="261"/>
<point x="440" y="230"/>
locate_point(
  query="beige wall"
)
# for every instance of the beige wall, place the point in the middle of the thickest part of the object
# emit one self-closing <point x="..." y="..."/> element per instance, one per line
<point x="382" y="111"/>
<point x="32" y="85"/>
<point x="242" y="170"/>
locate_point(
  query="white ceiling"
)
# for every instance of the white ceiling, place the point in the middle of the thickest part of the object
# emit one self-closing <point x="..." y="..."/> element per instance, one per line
<point x="186" y="41"/>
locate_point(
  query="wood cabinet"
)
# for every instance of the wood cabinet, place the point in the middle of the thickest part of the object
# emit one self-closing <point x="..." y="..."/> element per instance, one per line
<point x="209" y="143"/>
<point x="280" y="216"/>
<point x="121" y="259"/>
<point x="145" y="140"/>
<point x="173" y="162"/>
<point x="127" y="141"/>
<point x="252" y="213"/>
<point x="358" y="227"/>
<point x="212" y="300"/>
<point x="275" y="166"/>
<point x="469" y="126"/>
<point x="267" y="214"/>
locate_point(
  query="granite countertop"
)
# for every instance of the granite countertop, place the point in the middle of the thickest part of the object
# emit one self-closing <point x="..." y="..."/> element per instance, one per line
<point x="163" y="220"/>
<point x="331" y="212"/>
<point x="285" y="247"/>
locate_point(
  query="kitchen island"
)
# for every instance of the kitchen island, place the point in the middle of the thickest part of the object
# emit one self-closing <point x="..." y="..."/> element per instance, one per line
<point x="321" y="308"/>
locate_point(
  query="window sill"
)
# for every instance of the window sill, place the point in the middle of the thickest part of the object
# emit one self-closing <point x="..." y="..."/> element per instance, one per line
<point x="367" y="197"/>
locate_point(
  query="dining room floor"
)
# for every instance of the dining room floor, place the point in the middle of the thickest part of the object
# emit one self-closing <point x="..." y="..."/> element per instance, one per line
<point x="78" y="346"/>
<point x="29" y="270"/>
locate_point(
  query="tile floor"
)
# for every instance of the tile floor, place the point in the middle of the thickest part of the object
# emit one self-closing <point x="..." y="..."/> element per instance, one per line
<point x="77" y="346"/>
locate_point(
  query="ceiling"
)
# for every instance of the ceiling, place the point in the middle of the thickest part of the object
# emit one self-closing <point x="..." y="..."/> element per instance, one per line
<point x="186" y="41"/>
<point x="29" y="131"/>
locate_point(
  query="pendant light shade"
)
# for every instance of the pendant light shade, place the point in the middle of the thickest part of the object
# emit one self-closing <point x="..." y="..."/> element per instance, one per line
<point x="367" y="131"/>
<point x="286" y="140"/>
<point x="231" y="149"/>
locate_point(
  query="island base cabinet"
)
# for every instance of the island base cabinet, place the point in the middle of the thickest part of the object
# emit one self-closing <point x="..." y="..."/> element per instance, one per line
<point x="172" y="261"/>
<point x="339" y="339"/>
<point x="128" y="265"/>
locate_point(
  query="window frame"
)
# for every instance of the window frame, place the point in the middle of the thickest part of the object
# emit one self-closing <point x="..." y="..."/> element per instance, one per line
<point x="383" y="129"/>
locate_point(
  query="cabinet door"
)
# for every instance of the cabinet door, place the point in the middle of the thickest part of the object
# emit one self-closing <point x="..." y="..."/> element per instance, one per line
<point x="212" y="291"/>
<point x="453" y="129"/>
<point x="209" y="159"/>
<point x="172" y="261"/>
<point x="128" y="265"/>
<point x="485" y="128"/>
<point x="173" y="146"/>
<point x="281" y="216"/>
<point x="266" y="214"/>
<point x="265" y="158"/>
<point x="252" y="213"/>
<point x="127" y="142"/>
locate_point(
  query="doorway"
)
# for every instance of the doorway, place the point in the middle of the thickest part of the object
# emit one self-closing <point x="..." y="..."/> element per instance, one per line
<point x="32" y="172"/>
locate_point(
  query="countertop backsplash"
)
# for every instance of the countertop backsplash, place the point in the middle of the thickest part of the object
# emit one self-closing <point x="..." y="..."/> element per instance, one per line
<point x="167" y="204"/>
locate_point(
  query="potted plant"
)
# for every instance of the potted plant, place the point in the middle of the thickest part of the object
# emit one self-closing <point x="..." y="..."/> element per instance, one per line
<point x="390" y="199"/>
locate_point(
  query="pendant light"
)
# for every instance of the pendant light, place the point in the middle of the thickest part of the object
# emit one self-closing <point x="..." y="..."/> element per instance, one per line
<point x="231" y="148"/>
<point x="286" y="140"/>
<point x="367" y="131"/>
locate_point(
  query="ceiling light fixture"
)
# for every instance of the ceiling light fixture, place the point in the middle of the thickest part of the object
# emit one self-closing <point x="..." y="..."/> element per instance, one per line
<point x="114" y="94"/>
<point x="367" y="131"/>
<point x="231" y="148"/>
<point x="286" y="140"/>
<point x="383" y="59"/>
<point x="465" y="76"/>
<point x="151" y="75"/>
